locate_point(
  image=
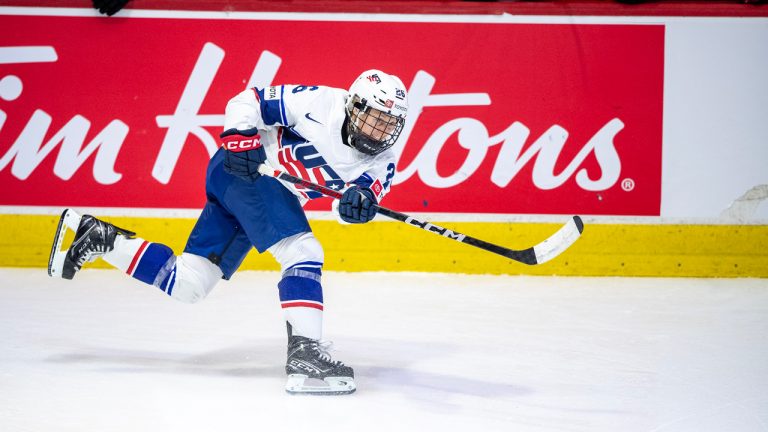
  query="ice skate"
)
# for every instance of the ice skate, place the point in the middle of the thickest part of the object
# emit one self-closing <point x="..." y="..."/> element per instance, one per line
<point x="311" y="371"/>
<point x="93" y="238"/>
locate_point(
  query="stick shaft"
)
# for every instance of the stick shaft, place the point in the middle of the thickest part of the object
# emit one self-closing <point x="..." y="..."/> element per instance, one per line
<point x="525" y="256"/>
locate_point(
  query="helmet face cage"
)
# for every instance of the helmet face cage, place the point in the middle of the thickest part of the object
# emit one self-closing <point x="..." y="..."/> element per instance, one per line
<point x="371" y="131"/>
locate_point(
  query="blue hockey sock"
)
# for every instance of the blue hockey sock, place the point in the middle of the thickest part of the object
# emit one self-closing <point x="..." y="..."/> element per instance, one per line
<point x="301" y="297"/>
<point x="151" y="263"/>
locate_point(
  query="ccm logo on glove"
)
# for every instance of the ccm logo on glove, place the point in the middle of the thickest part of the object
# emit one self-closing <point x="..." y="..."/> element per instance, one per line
<point x="244" y="153"/>
<point x="239" y="143"/>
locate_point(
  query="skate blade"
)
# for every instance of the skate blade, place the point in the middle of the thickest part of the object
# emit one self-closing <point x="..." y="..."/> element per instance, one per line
<point x="69" y="219"/>
<point x="302" y="385"/>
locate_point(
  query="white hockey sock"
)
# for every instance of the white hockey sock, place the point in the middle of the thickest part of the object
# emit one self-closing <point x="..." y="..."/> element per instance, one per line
<point x="305" y="321"/>
<point x="124" y="252"/>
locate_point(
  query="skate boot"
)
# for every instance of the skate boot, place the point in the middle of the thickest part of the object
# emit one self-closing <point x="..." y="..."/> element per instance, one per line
<point x="311" y="371"/>
<point x="93" y="238"/>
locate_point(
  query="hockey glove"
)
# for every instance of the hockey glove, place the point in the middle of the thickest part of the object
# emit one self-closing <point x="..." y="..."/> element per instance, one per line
<point x="357" y="205"/>
<point x="244" y="153"/>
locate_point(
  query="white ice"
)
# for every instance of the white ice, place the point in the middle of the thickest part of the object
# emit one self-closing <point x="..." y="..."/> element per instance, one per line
<point x="431" y="352"/>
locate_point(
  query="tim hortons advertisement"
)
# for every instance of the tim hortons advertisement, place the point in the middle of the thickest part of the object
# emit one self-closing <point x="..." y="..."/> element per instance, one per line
<point x="504" y="118"/>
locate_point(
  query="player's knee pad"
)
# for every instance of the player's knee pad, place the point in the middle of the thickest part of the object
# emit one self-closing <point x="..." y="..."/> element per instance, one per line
<point x="301" y="249"/>
<point x="195" y="277"/>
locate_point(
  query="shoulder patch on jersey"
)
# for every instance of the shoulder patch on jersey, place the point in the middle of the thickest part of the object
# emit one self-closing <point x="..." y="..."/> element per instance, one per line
<point x="377" y="188"/>
<point x="272" y="93"/>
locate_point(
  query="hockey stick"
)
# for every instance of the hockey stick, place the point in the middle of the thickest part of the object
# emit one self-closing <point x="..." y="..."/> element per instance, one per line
<point x="556" y="244"/>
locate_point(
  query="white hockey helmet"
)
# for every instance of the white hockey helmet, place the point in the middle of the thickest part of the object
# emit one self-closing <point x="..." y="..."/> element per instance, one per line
<point x="376" y="106"/>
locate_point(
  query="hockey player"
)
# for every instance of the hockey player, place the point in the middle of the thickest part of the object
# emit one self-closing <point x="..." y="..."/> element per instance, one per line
<point x="332" y="136"/>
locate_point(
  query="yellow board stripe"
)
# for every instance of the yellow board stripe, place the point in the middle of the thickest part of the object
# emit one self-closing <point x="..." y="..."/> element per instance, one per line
<point x="604" y="249"/>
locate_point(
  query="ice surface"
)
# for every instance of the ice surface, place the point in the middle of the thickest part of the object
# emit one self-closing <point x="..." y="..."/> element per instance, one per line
<point x="431" y="352"/>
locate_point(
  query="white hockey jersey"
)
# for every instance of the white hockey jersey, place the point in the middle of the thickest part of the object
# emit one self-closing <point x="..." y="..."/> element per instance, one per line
<point x="300" y="128"/>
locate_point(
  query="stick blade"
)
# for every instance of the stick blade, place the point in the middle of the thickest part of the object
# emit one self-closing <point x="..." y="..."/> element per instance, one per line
<point x="560" y="241"/>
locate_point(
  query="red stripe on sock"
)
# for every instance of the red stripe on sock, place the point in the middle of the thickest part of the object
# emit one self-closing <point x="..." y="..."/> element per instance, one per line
<point x="136" y="257"/>
<point x="302" y="304"/>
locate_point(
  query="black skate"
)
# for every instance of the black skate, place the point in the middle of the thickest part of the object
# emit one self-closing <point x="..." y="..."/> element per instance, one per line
<point x="311" y="371"/>
<point x="93" y="238"/>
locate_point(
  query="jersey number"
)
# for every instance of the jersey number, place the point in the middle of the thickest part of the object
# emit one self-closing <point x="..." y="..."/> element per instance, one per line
<point x="301" y="88"/>
<point x="390" y="174"/>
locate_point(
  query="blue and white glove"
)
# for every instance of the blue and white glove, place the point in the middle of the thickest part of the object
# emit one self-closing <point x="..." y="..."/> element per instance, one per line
<point x="357" y="205"/>
<point x="244" y="153"/>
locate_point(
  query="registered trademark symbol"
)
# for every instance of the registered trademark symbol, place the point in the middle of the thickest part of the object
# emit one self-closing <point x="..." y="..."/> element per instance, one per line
<point x="627" y="184"/>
